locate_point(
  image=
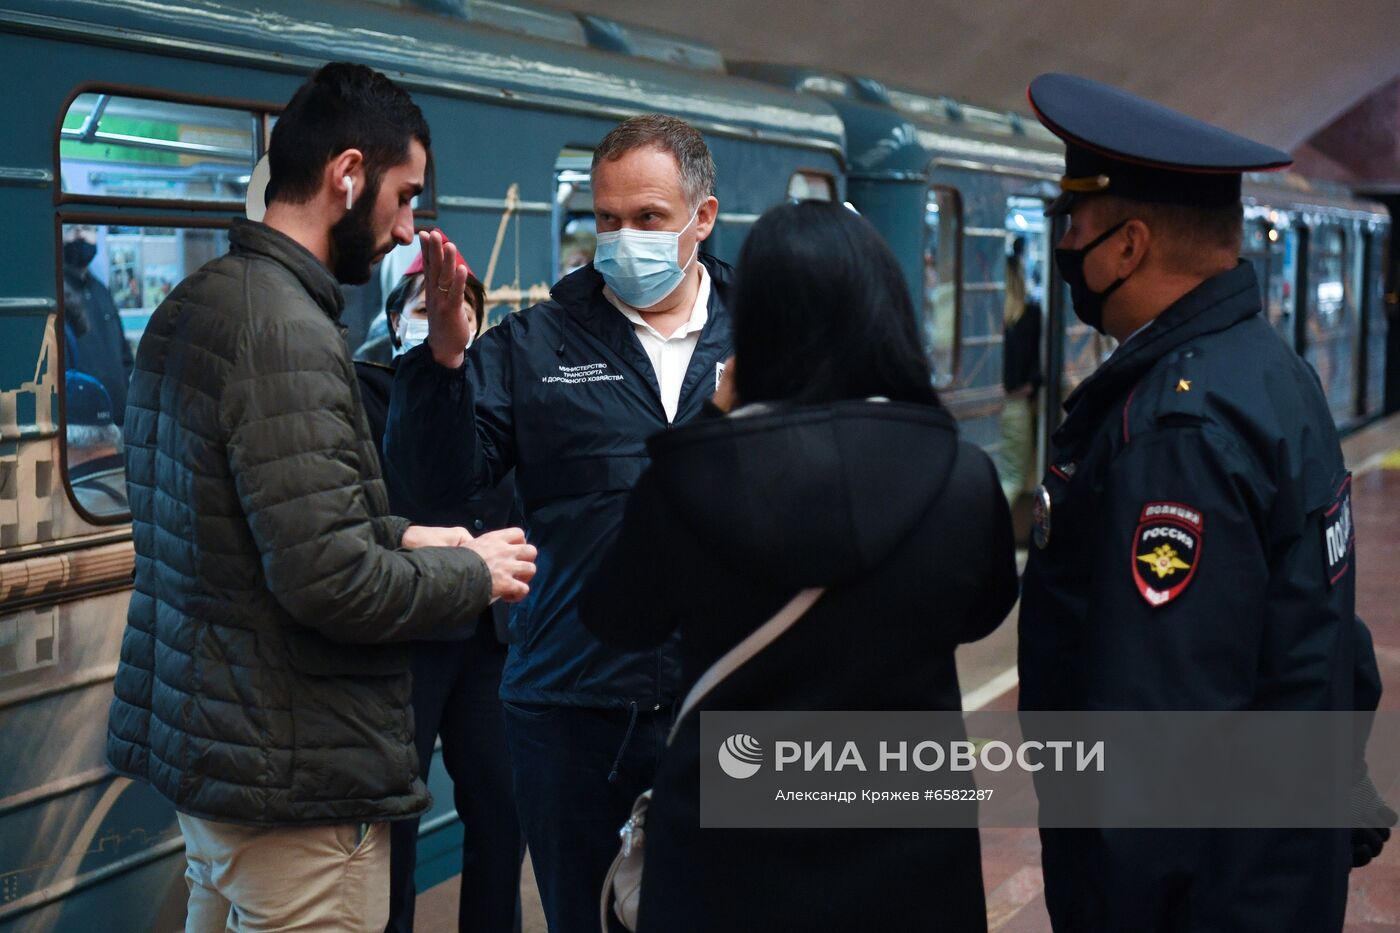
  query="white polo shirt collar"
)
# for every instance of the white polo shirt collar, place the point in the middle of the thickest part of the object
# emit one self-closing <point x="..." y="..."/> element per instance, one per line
<point x="669" y="356"/>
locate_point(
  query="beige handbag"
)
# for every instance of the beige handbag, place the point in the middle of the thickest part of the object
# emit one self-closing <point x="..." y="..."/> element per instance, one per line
<point x="623" y="884"/>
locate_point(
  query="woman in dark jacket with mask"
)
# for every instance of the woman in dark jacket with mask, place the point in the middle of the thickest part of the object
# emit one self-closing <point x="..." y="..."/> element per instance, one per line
<point x="837" y="468"/>
<point x="455" y="683"/>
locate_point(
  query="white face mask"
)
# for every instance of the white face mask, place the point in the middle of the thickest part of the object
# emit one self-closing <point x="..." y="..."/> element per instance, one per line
<point x="413" y="331"/>
<point x="642" y="267"/>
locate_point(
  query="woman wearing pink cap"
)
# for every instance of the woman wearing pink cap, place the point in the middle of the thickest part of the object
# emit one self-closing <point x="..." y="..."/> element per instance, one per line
<point x="408" y="321"/>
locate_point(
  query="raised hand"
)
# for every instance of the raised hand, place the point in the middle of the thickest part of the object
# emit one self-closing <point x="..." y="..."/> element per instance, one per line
<point x="445" y="283"/>
<point x="510" y="560"/>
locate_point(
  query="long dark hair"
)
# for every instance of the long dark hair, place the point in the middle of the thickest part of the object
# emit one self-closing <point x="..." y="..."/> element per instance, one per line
<point x="821" y="312"/>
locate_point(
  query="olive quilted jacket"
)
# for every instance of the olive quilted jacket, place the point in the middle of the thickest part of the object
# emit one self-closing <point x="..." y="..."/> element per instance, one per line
<point x="260" y="679"/>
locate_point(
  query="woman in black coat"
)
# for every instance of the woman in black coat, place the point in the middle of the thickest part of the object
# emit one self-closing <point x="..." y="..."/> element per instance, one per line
<point x="837" y="468"/>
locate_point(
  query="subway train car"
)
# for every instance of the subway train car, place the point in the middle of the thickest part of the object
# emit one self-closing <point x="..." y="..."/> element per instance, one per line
<point x="951" y="186"/>
<point x="134" y="130"/>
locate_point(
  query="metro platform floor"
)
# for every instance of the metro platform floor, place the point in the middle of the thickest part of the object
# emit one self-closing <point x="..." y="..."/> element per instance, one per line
<point x="1011" y="857"/>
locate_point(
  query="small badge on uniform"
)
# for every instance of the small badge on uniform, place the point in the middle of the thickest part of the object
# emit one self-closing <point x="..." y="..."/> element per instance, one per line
<point x="719" y="374"/>
<point x="1338" y="533"/>
<point x="1040" y="516"/>
<point x="1166" y="550"/>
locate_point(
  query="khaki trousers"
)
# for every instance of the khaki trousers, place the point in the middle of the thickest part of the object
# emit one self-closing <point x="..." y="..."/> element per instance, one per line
<point x="245" y="879"/>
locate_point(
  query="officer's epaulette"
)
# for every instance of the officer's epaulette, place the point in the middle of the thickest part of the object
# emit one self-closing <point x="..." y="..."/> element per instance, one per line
<point x="1173" y="391"/>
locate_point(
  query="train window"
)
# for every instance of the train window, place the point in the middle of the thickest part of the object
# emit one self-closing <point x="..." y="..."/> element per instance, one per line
<point x="575" y="231"/>
<point x="1329" y="278"/>
<point x="113" y="278"/>
<point x="939" y="322"/>
<point x="1331" y="320"/>
<point x="811" y="186"/>
<point x="1271" y="245"/>
<point x="141" y="149"/>
<point x="1025" y="224"/>
<point x="1281" y="298"/>
<point x="1257" y="248"/>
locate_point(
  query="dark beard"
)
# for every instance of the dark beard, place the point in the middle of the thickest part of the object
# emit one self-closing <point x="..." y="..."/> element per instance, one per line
<point x="353" y="247"/>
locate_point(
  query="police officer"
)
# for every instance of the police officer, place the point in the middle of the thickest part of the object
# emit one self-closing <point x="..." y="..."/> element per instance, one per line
<point x="1193" y="546"/>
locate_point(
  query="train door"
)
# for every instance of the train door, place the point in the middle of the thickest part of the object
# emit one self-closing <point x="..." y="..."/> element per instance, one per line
<point x="1377" y="324"/>
<point x="939" y="320"/>
<point x="1370" y="400"/>
<point x="1329" y="330"/>
<point x="973" y="221"/>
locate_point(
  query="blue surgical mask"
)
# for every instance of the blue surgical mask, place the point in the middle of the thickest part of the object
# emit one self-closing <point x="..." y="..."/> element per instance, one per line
<point x="642" y="267"/>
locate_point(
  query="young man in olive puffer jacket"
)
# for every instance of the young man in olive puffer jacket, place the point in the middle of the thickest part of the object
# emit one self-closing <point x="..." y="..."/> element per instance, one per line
<point x="263" y="687"/>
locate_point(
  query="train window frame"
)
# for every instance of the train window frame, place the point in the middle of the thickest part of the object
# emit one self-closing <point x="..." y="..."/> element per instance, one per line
<point x="258" y="111"/>
<point x="264" y="114"/>
<point x="90" y="218"/>
<point x="807" y="174"/>
<point x="76" y="209"/>
<point x="1319" y="251"/>
<point x="955" y="364"/>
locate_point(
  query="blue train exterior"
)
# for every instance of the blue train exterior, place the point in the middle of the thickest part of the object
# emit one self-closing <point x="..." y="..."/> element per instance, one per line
<point x="140" y="122"/>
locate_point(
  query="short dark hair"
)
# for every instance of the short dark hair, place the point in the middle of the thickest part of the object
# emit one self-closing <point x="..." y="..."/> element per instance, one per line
<point x="475" y="294"/>
<point x="408" y="288"/>
<point x="1188" y="233"/>
<point x="342" y="106"/>
<point x="821" y="312"/>
<point x="669" y="134"/>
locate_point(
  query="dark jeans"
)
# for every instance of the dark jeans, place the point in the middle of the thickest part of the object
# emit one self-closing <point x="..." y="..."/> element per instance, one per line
<point x="455" y="694"/>
<point x="569" y="809"/>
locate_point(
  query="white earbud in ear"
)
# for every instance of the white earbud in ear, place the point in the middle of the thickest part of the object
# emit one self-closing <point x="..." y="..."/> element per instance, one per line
<point x="349" y="192"/>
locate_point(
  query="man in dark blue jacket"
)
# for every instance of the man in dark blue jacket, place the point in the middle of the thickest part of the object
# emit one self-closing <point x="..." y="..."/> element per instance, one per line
<point x="567" y="393"/>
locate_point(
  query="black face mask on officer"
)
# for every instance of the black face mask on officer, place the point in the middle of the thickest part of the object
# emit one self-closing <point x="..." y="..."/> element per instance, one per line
<point x="79" y="253"/>
<point x="1088" y="304"/>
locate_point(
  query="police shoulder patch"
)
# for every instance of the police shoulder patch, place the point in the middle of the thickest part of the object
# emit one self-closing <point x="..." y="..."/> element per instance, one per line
<point x="1166" y="550"/>
<point x="1338" y="533"/>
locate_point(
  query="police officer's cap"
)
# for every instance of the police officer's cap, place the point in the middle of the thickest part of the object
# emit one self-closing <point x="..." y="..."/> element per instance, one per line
<point x="1118" y="143"/>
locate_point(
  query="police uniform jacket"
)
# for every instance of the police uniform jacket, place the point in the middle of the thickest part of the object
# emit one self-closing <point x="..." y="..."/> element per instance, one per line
<point x="1196" y="553"/>
<point x="564" y="393"/>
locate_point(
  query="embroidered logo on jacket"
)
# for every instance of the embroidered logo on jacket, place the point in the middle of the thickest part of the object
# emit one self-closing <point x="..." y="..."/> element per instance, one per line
<point x="588" y="372"/>
<point x="1166" y="550"/>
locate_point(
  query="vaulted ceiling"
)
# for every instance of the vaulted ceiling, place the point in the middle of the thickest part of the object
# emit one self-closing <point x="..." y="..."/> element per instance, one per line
<point x="1276" y="70"/>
